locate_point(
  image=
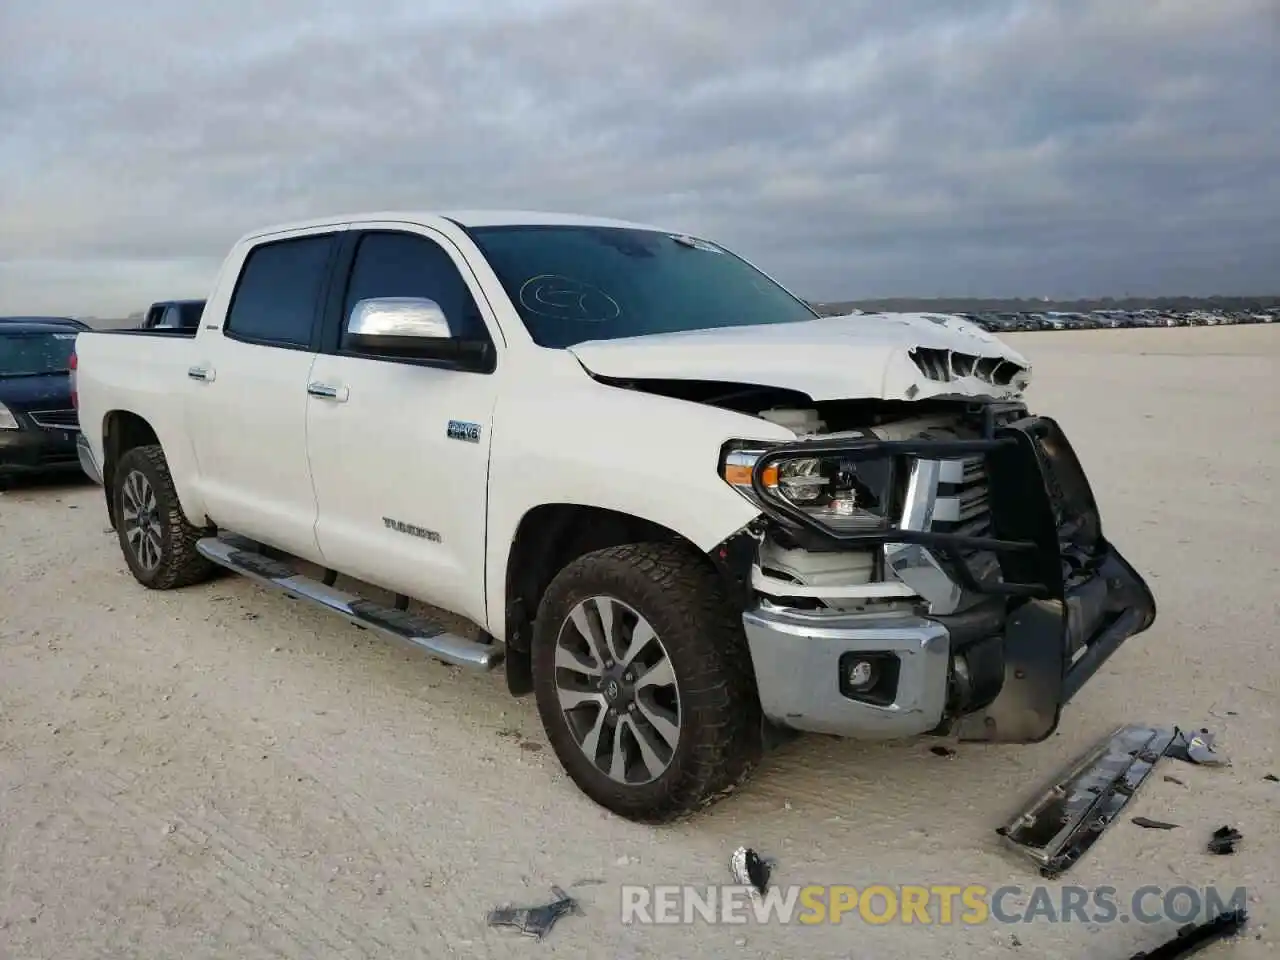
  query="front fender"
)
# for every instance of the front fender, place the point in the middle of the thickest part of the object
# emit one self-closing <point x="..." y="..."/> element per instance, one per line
<point x="581" y="442"/>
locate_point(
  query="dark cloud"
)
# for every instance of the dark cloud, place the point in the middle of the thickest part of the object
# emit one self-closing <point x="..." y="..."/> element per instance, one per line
<point x="1057" y="147"/>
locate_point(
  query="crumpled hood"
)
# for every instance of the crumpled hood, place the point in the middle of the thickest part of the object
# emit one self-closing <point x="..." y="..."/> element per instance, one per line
<point x="884" y="356"/>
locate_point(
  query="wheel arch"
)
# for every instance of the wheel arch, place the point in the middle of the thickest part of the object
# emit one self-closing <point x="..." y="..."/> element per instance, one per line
<point x="124" y="430"/>
<point x="548" y="538"/>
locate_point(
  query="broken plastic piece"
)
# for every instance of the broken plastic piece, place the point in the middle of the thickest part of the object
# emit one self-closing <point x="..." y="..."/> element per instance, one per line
<point x="537" y="921"/>
<point x="1169" y="779"/>
<point x="1272" y="778"/>
<point x="749" y="870"/>
<point x="1193" y="938"/>
<point x="1224" y="840"/>
<point x="1154" y="824"/>
<point x="1196" y="748"/>
<point x="1065" y="820"/>
<point x="941" y="751"/>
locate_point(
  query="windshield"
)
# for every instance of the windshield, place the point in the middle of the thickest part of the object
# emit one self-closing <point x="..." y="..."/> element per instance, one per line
<point x="572" y="284"/>
<point x="28" y="354"/>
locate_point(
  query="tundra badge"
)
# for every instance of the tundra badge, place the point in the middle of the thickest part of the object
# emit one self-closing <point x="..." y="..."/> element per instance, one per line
<point x="399" y="526"/>
<point x="462" y="430"/>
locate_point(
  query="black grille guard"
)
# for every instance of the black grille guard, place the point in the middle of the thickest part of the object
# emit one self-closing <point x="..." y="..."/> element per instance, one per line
<point x="945" y="545"/>
<point x="1061" y="576"/>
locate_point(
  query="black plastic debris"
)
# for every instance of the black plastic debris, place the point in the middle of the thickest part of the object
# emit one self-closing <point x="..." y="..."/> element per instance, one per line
<point x="750" y="870"/>
<point x="1193" y="938"/>
<point x="1196" y="748"/>
<point x="941" y="751"/>
<point x="1271" y="778"/>
<point x="1169" y="779"/>
<point x="1224" y="840"/>
<point x="536" y="921"/>
<point x="1154" y="824"/>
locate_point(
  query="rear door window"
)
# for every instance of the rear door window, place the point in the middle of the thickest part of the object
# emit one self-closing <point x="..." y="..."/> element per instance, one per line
<point x="277" y="298"/>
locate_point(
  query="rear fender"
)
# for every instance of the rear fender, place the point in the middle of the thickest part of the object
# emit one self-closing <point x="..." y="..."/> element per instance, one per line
<point x="123" y="430"/>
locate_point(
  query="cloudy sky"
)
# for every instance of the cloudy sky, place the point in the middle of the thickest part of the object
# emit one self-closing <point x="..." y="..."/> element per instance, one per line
<point x="854" y="149"/>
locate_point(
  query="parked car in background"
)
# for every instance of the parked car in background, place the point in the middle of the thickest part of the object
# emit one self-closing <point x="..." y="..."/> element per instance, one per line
<point x="173" y="315"/>
<point x="38" y="423"/>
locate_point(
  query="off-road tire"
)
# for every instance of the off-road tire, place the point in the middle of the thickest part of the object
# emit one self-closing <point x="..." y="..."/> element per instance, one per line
<point x="720" y="740"/>
<point x="180" y="564"/>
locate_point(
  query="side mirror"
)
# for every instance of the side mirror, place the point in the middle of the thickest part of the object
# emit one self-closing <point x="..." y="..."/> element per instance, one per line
<point x="412" y="328"/>
<point x="397" y="325"/>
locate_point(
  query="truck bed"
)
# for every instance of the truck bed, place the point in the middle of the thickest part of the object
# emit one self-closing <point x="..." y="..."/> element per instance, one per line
<point x="134" y="370"/>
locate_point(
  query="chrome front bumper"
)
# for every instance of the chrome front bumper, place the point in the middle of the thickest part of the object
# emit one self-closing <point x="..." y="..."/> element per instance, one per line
<point x="87" y="463"/>
<point x="798" y="665"/>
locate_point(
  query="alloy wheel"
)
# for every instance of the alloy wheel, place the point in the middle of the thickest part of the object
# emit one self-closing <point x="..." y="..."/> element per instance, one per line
<point x="617" y="690"/>
<point x="141" y="517"/>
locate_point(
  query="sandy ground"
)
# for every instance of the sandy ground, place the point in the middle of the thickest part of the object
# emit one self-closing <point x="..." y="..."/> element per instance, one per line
<point x="221" y="772"/>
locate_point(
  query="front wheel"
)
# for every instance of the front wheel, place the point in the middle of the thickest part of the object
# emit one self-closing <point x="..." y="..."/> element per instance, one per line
<point x="643" y="681"/>
<point x="157" y="540"/>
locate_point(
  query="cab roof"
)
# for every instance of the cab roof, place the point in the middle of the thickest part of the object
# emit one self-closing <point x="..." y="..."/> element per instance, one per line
<point x="465" y="218"/>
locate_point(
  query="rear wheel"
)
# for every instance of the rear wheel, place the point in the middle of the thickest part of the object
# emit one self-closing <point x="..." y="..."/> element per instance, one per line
<point x="158" y="542"/>
<point x="643" y="682"/>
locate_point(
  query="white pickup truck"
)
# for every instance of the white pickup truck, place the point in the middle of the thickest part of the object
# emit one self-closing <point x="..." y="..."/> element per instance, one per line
<point x="682" y="508"/>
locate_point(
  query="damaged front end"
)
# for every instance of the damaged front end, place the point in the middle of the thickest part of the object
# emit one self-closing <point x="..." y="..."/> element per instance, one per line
<point x="941" y="571"/>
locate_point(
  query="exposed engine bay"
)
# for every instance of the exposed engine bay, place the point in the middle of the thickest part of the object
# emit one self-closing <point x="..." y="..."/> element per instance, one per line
<point x="802" y="572"/>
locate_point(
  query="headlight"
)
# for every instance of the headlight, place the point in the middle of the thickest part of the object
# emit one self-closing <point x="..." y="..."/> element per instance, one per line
<point x="7" y="420"/>
<point x="842" y="493"/>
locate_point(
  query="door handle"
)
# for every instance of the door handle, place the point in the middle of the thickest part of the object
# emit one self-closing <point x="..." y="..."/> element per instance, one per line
<point x="200" y="373"/>
<point x="326" y="391"/>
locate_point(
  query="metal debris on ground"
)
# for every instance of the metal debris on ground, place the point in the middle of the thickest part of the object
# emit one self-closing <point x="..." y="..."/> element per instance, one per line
<point x="1196" y="748"/>
<point x="749" y="870"/>
<point x="1193" y="938"/>
<point x="1154" y="824"/>
<point x="1065" y="820"/>
<point x="1224" y="840"/>
<point x="536" y="921"/>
